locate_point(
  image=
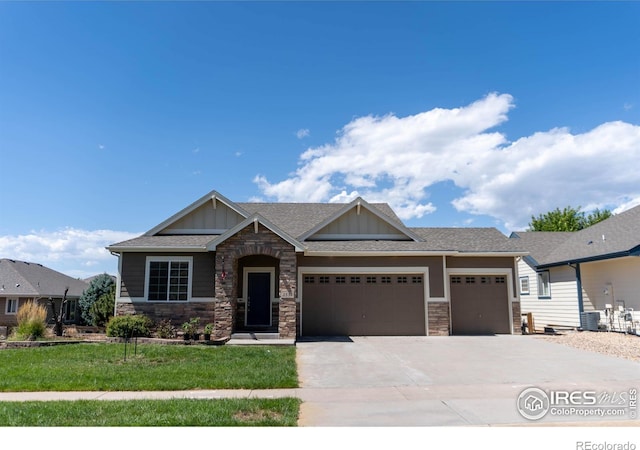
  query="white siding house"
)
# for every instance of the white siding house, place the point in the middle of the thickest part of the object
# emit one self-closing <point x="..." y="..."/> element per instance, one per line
<point x="595" y="269"/>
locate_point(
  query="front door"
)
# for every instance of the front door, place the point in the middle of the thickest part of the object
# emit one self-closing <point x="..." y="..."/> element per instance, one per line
<point x="258" y="299"/>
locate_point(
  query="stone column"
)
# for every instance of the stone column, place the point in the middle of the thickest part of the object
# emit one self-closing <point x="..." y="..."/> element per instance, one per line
<point x="287" y="289"/>
<point x="224" y="306"/>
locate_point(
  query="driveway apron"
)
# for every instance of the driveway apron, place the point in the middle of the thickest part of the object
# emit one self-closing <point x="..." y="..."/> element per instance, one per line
<point x="440" y="381"/>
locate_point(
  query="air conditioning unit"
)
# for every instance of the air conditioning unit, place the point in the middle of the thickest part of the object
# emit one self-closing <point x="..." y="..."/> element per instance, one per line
<point x="589" y="320"/>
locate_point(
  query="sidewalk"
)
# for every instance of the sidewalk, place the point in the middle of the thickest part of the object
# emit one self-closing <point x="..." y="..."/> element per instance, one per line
<point x="360" y="407"/>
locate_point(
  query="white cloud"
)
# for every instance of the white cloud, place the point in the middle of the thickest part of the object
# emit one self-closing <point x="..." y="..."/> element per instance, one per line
<point x="75" y="252"/>
<point x="302" y="133"/>
<point x="397" y="159"/>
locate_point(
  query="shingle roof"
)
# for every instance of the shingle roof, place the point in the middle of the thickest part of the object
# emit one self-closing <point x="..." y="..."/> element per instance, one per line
<point x="613" y="237"/>
<point x="19" y="278"/>
<point x="466" y="239"/>
<point x="539" y="243"/>
<point x="197" y="242"/>
<point x="297" y="218"/>
<point x="441" y="240"/>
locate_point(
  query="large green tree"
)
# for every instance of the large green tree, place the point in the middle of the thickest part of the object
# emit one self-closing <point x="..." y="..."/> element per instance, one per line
<point x="567" y="219"/>
<point x="100" y="291"/>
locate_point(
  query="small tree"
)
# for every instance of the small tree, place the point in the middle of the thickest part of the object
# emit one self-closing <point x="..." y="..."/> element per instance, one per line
<point x="102" y="309"/>
<point x="98" y="287"/>
<point x="568" y="219"/>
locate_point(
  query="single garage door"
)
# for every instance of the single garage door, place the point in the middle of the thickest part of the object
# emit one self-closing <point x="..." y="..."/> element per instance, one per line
<point x="363" y="305"/>
<point x="479" y="305"/>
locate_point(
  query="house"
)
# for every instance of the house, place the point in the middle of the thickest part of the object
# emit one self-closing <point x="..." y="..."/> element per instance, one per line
<point x="596" y="269"/>
<point x="318" y="269"/>
<point x="23" y="281"/>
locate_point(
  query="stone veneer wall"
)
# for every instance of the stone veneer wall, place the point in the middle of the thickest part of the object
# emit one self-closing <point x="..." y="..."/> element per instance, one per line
<point x="517" y="320"/>
<point x="438" y="313"/>
<point x="248" y="242"/>
<point x="177" y="313"/>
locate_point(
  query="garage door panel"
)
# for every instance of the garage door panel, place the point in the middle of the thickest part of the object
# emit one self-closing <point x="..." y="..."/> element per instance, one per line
<point x="479" y="305"/>
<point x="368" y="305"/>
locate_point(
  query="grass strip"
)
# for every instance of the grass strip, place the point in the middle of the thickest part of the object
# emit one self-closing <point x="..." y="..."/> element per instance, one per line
<point x="279" y="412"/>
<point x="102" y="367"/>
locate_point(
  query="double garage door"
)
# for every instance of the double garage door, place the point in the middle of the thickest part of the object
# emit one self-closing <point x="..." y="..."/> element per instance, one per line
<point x="479" y="304"/>
<point x="363" y="305"/>
<point x="394" y="305"/>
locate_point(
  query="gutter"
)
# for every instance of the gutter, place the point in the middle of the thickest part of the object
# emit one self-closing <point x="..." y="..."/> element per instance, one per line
<point x="632" y="252"/>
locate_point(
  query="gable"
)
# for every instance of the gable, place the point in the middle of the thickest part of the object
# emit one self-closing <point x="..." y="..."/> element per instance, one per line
<point x="211" y="214"/>
<point x="209" y="218"/>
<point x="359" y="223"/>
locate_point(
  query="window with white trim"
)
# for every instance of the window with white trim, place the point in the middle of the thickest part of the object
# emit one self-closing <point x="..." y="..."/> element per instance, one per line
<point x="544" y="289"/>
<point x="169" y="279"/>
<point x="524" y="285"/>
<point x="12" y="306"/>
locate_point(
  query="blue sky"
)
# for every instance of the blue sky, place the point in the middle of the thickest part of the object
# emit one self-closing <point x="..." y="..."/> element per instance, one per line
<point x="116" y="115"/>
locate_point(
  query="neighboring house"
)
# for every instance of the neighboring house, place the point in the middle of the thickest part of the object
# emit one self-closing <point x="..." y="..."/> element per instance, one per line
<point x="23" y="281"/>
<point x="566" y="274"/>
<point x="318" y="269"/>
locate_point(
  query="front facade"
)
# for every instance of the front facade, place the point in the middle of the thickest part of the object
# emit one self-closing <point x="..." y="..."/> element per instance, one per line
<point x="593" y="270"/>
<point x="310" y="269"/>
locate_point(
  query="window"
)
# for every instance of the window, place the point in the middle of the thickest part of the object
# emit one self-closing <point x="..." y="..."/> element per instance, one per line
<point x="371" y="280"/>
<point x="70" y="310"/>
<point x="416" y="280"/>
<point x="169" y="279"/>
<point x="324" y="280"/>
<point x="402" y="280"/>
<point x="470" y="280"/>
<point x="544" y="291"/>
<point x="355" y="280"/>
<point x="501" y="280"/>
<point x="341" y="280"/>
<point x="485" y="280"/>
<point x="12" y="306"/>
<point x="456" y="280"/>
<point x="385" y="280"/>
<point x="524" y="285"/>
<point x="309" y="279"/>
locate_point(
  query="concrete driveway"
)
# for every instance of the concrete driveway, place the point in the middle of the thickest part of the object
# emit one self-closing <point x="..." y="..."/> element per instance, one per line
<point x="440" y="381"/>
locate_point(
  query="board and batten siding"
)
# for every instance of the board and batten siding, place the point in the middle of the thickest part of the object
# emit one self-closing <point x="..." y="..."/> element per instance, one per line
<point x="561" y="309"/>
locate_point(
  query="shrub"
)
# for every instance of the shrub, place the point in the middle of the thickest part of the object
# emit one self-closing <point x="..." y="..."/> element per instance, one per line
<point x="129" y="326"/>
<point x="32" y="321"/>
<point x="165" y="330"/>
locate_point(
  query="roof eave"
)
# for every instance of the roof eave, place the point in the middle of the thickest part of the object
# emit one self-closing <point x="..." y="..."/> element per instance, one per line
<point x="308" y="252"/>
<point x="156" y="249"/>
<point x="589" y="259"/>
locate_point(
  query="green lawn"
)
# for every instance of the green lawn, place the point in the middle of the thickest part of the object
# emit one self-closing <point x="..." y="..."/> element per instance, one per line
<point x="144" y="413"/>
<point x="101" y="367"/>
